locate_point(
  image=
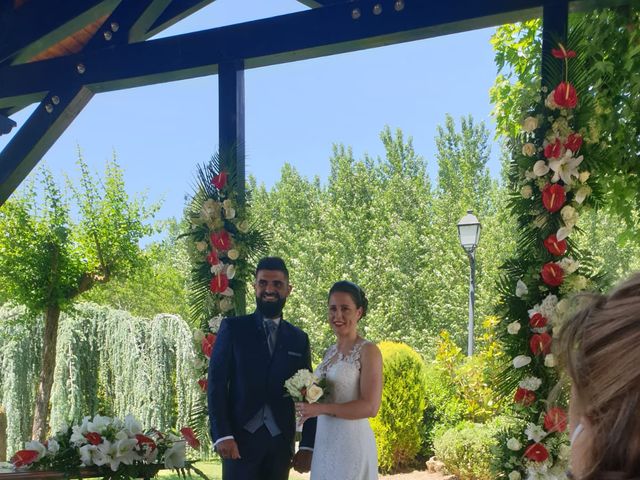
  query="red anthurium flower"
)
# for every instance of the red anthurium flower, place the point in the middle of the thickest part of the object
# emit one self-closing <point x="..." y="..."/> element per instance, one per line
<point x="190" y="437"/>
<point x="221" y="240"/>
<point x="537" y="321"/>
<point x="555" y="420"/>
<point x="553" y="150"/>
<point x="524" y="396"/>
<point x="24" y="457"/>
<point x="536" y="452"/>
<point x="212" y="258"/>
<point x="574" y="142"/>
<point x="553" y="197"/>
<point x="552" y="274"/>
<point x="562" y="52"/>
<point x="208" y="342"/>
<point x="203" y="384"/>
<point x="219" y="283"/>
<point x="94" y="438"/>
<point x="565" y="95"/>
<point x="554" y="246"/>
<point x="540" y="343"/>
<point x="145" y="441"/>
<point x="220" y="180"/>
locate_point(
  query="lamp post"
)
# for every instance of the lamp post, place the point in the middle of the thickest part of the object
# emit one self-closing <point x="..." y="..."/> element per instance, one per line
<point x="469" y="233"/>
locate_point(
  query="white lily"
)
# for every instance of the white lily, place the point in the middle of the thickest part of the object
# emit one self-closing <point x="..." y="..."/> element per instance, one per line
<point x="565" y="167"/>
<point x="86" y="454"/>
<point x="132" y="426"/>
<point x="174" y="457"/>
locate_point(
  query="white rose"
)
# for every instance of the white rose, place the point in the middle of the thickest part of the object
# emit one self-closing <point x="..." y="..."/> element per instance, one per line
<point x="530" y="383"/>
<point x="530" y="124"/>
<point x="549" y="361"/>
<point x="584" y="176"/>
<point x="233" y="254"/>
<point x="243" y="226"/>
<point x="521" y="361"/>
<point x="535" y="432"/>
<point x="226" y="304"/>
<point x="521" y="288"/>
<point x="563" y="306"/>
<point x="569" y="215"/>
<point x="526" y="191"/>
<point x="569" y="265"/>
<point x="550" y="102"/>
<point x="540" y="168"/>
<point x="529" y="149"/>
<point x="515" y="475"/>
<point x="201" y="246"/>
<point x="513" y="444"/>
<point x="314" y="392"/>
<point x="513" y="328"/>
<point x="227" y="204"/>
<point x="230" y="213"/>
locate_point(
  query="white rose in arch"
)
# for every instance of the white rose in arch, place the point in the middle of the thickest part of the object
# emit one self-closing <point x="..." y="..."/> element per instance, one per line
<point x="233" y="254"/>
<point x="521" y="289"/>
<point x="515" y="475"/>
<point x="314" y="392"/>
<point x="529" y="149"/>
<point x="521" y="361"/>
<point x="530" y="124"/>
<point x="513" y="328"/>
<point x="526" y="191"/>
<point x="513" y="444"/>
<point x="230" y="213"/>
<point x="584" y="176"/>
<point x="582" y="193"/>
<point x="550" y="361"/>
<point x="201" y="246"/>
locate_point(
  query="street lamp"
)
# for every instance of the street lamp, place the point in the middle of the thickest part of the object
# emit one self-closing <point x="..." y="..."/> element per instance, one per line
<point x="469" y="233"/>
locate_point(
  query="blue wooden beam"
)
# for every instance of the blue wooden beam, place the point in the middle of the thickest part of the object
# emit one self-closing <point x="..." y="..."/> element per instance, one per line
<point x="175" y="12"/>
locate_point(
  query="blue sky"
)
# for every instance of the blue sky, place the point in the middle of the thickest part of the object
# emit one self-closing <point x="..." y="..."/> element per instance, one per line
<point x="294" y="112"/>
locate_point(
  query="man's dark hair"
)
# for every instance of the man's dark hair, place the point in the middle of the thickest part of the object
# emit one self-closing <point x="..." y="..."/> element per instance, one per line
<point x="272" y="263"/>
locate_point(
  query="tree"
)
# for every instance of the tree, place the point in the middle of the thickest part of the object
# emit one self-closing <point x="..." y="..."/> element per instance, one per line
<point x="47" y="259"/>
<point x="607" y="43"/>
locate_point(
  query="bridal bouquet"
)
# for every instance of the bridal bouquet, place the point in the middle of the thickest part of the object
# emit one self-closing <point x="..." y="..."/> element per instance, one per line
<point x="304" y="386"/>
<point x="119" y="448"/>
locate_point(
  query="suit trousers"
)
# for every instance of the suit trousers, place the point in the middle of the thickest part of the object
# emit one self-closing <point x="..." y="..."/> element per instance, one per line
<point x="263" y="457"/>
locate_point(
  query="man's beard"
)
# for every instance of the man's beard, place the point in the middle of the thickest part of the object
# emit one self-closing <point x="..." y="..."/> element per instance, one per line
<point x="271" y="309"/>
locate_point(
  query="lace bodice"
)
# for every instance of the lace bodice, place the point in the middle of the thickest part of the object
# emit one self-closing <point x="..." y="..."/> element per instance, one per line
<point x="342" y="372"/>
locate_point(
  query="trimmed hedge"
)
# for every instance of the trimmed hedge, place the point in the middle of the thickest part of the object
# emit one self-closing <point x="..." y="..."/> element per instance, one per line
<point x="398" y="427"/>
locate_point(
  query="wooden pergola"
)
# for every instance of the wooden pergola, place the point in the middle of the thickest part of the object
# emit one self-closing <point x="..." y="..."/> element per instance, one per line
<point x="59" y="53"/>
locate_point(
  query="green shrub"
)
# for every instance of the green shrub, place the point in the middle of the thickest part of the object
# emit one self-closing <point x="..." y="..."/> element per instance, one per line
<point x="398" y="427"/>
<point x="467" y="450"/>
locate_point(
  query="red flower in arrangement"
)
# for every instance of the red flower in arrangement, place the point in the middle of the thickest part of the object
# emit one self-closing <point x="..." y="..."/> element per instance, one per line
<point x="221" y="240"/>
<point x="212" y="258"/>
<point x="536" y="452"/>
<point x="540" y="343"/>
<point x="219" y="283"/>
<point x="574" y="142"/>
<point x="565" y="95"/>
<point x="190" y="437"/>
<point x="220" y="180"/>
<point x="524" y="396"/>
<point x="208" y="343"/>
<point x="555" y="420"/>
<point x="553" y="197"/>
<point x="145" y="441"/>
<point x="554" y="246"/>
<point x="552" y="274"/>
<point x="203" y="384"/>
<point x="562" y="53"/>
<point x="24" y="457"/>
<point x="553" y="150"/>
<point x="537" y="321"/>
<point x="94" y="438"/>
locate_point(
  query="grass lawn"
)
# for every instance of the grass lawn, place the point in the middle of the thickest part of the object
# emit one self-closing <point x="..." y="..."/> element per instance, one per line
<point x="212" y="469"/>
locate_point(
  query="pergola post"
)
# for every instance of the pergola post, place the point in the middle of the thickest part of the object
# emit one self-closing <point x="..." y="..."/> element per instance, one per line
<point x="555" y="25"/>
<point x="231" y="119"/>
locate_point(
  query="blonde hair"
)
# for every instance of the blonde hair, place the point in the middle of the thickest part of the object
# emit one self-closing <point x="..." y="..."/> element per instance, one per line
<point x="599" y="347"/>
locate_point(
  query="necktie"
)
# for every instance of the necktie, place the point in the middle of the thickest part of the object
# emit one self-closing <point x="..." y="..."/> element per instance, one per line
<point x="271" y="328"/>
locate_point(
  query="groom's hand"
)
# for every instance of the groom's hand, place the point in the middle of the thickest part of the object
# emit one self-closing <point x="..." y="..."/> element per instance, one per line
<point x="228" y="449"/>
<point x="302" y="461"/>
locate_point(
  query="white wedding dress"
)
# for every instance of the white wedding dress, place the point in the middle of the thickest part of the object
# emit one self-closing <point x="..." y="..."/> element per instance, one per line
<point x="344" y="449"/>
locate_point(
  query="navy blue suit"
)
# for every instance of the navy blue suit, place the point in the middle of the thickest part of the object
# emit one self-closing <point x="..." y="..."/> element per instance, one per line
<point x="243" y="378"/>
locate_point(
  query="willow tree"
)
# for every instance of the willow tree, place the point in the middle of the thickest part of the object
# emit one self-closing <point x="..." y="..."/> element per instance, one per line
<point x="48" y="258"/>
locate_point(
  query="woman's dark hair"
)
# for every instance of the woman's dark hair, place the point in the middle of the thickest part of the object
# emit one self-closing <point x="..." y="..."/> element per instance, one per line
<point x="356" y="293"/>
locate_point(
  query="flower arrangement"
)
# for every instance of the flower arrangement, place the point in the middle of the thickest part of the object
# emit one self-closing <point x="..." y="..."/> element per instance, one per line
<point x="117" y="448"/>
<point x="551" y="183"/>
<point x="304" y="386"/>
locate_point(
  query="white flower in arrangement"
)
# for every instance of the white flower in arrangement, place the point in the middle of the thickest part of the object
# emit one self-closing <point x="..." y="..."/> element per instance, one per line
<point x="228" y="292"/>
<point x="230" y="213"/>
<point x="584" y="176"/>
<point x="535" y="432"/>
<point x="243" y="226"/>
<point x="53" y="446"/>
<point x="217" y="268"/>
<point x="513" y="328"/>
<point x="521" y="361"/>
<point x="562" y="307"/>
<point x="530" y="383"/>
<point x="549" y="360"/>
<point x="530" y="124"/>
<point x="226" y="304"/>
<point x="569" y="216"/>
<point x="201" y="246"/>
<point x="548" y="307"/>
<point x="233" y="254"/>
<point x="99" y="424"/>
<point x="565" y="168"/>
<point x="582" y="193"/>
<point x="314" y="392"/>
<point x="526" y="191"/>
<point x="37" y="446"/>
<point x="576" y="283"/>
<point x="210" y="210"/>
<point x="86" y="454"/>
<point x="300" y="380"/>
<point x="231" y="271"/>
<point x="175" y="456"/>
<point x="563" y="232"/>
<point x="529" y="149"/>
<point x="101" y="455"/>
<point x="569" y="265"/>
<point x="198" y="335"/>
<point x="521" y="288"/>
<point x="132" y="426"/>
<point x="515" y="475"/>
<point x="214" y="323"/>
<point x="550" y="102"/>
<point x="564" y="452"/>
<point x="227" y="204"/>
<point x="540" y="168"/>
<point x="529" y="175"/>
<point x="513" y="444"/>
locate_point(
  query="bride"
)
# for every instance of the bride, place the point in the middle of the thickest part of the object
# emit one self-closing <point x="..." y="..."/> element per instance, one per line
<point x="345" y="447"/>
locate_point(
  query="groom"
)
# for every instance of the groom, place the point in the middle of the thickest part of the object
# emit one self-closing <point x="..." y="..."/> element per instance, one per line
<point x="252" y="422"/>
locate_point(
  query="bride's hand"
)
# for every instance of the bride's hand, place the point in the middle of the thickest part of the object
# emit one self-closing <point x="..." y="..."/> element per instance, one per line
<point x="305" y="411"/>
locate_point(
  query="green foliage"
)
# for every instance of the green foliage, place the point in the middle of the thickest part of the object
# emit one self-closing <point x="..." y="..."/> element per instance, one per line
<point x="467" y="449"/>
<point x="398" y="426"/>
